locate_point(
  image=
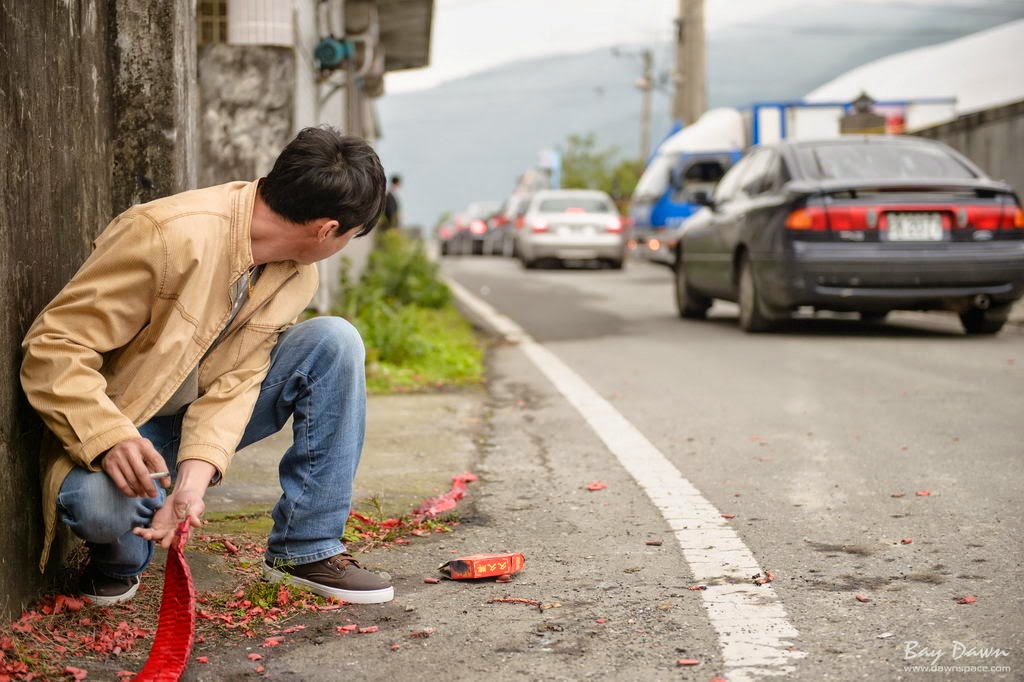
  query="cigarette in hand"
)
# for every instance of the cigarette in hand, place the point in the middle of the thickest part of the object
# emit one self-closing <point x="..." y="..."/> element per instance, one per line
<point x="159" y="475"/>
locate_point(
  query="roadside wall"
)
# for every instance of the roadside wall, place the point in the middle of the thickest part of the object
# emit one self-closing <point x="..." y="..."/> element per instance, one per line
<point x="246" y="101"/>
<point x="992" y="138"/>
<point x="95" y="107"/>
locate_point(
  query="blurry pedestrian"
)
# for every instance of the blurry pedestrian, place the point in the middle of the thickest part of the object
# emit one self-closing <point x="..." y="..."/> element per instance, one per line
<point x="392" y="204"/>
<point x="175" y="345"/>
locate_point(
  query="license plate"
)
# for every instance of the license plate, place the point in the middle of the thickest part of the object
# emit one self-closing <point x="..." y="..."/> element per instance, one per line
<point x="576" y="229"/>
<point x="915" y="227"/>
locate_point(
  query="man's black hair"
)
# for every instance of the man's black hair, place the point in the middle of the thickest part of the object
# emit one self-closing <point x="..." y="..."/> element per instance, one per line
<point x="324" y="174"/>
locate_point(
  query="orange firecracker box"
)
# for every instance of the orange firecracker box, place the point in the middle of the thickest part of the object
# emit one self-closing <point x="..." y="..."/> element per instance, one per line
<point x="482" y="566"/>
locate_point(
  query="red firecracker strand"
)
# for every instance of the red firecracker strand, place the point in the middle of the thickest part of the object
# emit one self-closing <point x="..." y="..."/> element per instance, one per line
<point x="176" y="626"/>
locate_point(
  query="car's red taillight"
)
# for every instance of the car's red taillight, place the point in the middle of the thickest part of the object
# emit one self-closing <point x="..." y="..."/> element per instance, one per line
<point x="1005" y="217"/>
<point x="860" y="217"/>
<point x="478" y="227"/>
<point x="614" y="225"/>
<point x="539" y="226"/>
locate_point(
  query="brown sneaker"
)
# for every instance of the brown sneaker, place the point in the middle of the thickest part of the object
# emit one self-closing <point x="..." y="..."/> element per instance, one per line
<point x="339" y="576"/>
<point x="103" y="590"/>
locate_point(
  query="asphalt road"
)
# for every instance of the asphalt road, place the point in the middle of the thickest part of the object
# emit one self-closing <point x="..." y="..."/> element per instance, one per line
<point x="817" y="438"/>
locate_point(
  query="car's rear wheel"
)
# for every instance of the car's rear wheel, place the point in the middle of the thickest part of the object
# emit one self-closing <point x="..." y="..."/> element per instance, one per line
<point x="690" y="305"/>
<point x="753" y="317"/>
<point x="989" y="321"/>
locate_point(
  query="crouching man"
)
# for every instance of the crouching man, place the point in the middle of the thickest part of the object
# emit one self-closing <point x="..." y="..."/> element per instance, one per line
<point x="175" y="344"/>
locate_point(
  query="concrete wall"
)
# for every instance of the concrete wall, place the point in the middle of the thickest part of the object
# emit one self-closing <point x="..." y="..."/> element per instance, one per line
<point x="246" y="105"/>
<point x="95" y="102"/>
<point x="993" y="139"/>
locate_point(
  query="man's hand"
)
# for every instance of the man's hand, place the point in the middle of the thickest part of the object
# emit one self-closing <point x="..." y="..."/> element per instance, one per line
<point x="129" y="464"/>
<point x="193" y="479"/>
<point x="166" y="520"/>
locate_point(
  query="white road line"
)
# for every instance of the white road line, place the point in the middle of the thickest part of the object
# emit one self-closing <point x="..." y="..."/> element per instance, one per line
<point x="754" y="633"/>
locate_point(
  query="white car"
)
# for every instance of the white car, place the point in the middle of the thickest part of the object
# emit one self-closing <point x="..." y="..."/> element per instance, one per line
<point x="572" y="224"/>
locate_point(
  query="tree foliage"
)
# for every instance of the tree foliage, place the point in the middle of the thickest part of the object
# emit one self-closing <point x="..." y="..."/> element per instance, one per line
<point x="584" y="166"/>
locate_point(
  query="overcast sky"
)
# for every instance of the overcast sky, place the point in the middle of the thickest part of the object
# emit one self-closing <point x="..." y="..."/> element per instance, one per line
<point x="472" y="35"/>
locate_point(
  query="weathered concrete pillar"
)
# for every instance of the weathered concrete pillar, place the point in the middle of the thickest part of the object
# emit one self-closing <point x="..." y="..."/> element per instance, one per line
<point x="54" y="195"/>
<point x="155" y="100"/>
<point x="83" y="136"/>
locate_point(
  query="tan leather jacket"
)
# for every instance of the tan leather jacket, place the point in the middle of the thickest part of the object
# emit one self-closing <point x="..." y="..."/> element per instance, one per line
<point x="105" y="355"/>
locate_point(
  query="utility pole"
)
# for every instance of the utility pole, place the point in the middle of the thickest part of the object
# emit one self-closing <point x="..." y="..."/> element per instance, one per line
<point x="646" y="85"/>
<point x="690" y="98"/>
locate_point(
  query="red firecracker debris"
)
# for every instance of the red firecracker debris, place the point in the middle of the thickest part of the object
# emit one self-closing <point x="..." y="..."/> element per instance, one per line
<point x="395" y="646"/>
<point x="687" y="661"/>
<point x="896" y="495"/>
<point x="766" y="578"/>
<point x="229" y="546"/>
<point x="342" y="629"/>
<point x="271" y="641"/>
<point x="447" y="501"/>
<point x="202" y="659"/>
<point x="697" y="587"/>
<point x="76" y="673"/>
<point x="596" y="485"/>
<point x="906" y="541"/>
<point x="503" y="578"/>
<point x="259" y="669"/>
<point x="966" y="600"/>
<point x="861" y="598"/>
<point x="423" y="634"/>
<point x="255" y="657"/>
<point x="923" y="493"/>
<point x="432" y="581"/>
<point x="728" y="516"/>
<point x="368" y="630"/>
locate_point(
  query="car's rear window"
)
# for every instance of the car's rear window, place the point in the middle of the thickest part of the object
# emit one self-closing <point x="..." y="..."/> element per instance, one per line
<point x="867" y="161"/>
<point x="575" y="204"/>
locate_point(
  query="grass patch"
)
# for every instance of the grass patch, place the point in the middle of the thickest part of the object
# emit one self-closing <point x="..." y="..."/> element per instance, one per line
<point x="452" y="355"/>
<point x="415" y="337"/>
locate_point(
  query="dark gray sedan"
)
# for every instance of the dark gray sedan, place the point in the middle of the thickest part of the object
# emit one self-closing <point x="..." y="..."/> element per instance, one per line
<point x="864" y="224"/>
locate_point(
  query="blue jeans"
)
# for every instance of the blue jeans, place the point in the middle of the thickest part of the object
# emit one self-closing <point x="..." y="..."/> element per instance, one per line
<point x="317" y="377"/>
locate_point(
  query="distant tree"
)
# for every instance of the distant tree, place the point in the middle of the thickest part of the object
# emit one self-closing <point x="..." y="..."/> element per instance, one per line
<point x="584" y="166"/>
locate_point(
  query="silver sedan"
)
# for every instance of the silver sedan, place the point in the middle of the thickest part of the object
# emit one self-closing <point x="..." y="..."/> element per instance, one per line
<point x="572" y="225"/>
